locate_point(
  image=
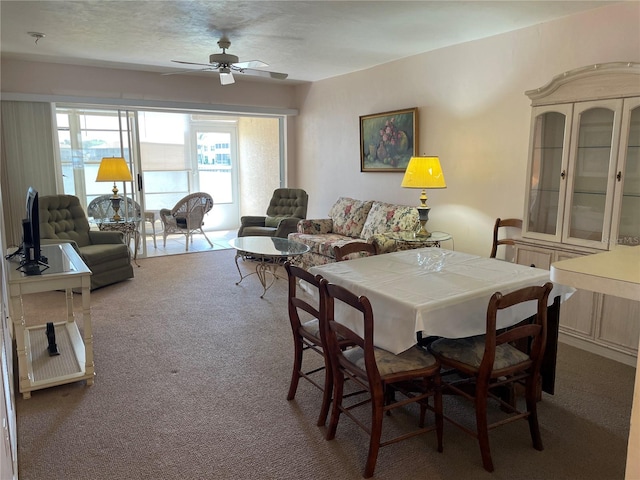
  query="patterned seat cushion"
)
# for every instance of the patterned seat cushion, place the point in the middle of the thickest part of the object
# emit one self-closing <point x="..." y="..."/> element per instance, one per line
<point x="470" y="351"/>
<point x="415" y="358"/>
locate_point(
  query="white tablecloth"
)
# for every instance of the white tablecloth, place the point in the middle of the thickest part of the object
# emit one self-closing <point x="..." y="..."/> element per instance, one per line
<point x="431" y="290"/>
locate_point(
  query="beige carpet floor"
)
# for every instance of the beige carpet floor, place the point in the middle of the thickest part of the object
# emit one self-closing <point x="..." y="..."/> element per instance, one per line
<point x="192" y="373"/>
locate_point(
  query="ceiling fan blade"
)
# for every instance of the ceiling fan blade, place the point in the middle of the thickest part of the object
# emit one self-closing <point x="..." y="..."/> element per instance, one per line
<point x="251" y="64"/>
<point x="226" y="78"/>
<point x="262" y="73"/>
<point x="190" y="71"/>
<point x="214" y="65"/>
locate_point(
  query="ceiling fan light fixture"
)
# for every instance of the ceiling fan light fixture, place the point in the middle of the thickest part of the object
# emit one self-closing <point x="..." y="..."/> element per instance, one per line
<point x="226" y="77"/>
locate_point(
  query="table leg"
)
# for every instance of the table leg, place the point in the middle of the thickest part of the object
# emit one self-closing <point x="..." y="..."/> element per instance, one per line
<point x="548" y="367"/>
<point x="87" y="330"/>
<point x="264" y="266"/>
<point x="22" y="350"/>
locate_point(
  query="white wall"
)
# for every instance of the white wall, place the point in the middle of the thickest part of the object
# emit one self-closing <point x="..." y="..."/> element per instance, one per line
<point x="473" y="113"/>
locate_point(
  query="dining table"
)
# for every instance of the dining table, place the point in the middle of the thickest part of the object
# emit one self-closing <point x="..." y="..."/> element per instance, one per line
<point x="437" y="292"/>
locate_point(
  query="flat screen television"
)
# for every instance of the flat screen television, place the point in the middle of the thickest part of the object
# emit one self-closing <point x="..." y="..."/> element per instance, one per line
<point x="32" y="263"/>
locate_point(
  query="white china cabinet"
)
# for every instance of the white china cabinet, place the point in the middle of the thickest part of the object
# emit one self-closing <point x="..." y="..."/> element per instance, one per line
<point x="583" y="193"/>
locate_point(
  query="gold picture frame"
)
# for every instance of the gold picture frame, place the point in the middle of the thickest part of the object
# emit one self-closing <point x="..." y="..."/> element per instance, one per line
<point x="388" y="140"/>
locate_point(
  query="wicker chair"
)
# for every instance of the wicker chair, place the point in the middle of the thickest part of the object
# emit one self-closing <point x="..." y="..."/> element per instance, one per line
<point x="186" y="217"/>
<point x="101" y="208"/>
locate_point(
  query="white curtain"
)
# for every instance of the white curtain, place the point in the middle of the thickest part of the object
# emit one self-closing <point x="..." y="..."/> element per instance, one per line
<point x="28" y="159"/>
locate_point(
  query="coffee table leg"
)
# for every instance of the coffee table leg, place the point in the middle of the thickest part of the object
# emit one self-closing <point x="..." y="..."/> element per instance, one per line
<point x="262" y="268"/>
<point x="238" y="254"/>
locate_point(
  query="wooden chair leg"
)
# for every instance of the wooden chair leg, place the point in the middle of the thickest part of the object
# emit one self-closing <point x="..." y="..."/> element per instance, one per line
<point x="297" y="365"/>
<point x="377" y="405"/>
<point x="326" y="397"/>
<point x="482" y="427"/>
<point x="531" y="399"/>
<point x="338" y="387"/>
<point x="437" y="405"/>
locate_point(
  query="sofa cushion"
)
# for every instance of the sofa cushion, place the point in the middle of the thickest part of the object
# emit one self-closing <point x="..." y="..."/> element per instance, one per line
<point x="349" y="216"/>
<point x="322" y="243"/>
<point x="385" y="217"/>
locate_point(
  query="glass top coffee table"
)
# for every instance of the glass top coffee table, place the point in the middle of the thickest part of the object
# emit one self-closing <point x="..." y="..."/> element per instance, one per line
<point x="268" y="252"/>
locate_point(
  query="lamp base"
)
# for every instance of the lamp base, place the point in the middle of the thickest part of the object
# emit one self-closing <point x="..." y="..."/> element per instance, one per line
<point x="423" y="215"/>
<point x="115" y="204"/>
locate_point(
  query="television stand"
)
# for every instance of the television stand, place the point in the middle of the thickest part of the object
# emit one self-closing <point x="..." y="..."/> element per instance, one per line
<point x="37" y="369"/>
<point x="33" y="268"/>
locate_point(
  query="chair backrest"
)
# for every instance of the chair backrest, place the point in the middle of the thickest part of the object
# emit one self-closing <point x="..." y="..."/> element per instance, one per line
<point x="531" y="333"/>
<point x="297" y="303"/>
<point x="331" y="293"/>
<point x="101" y="208"/>
<point x="288" y="202"/>
<point x="189" y="212"/>
<point x="63" y="218"/>
<point x="351" y="250"/>
<point x="503" y="223"/>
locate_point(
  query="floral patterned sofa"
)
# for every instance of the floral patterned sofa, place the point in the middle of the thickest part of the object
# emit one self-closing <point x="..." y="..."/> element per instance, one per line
<point x="352" y="220"/>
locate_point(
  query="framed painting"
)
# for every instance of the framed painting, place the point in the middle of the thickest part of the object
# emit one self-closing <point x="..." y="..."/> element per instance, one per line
<point x="388" y="140"/>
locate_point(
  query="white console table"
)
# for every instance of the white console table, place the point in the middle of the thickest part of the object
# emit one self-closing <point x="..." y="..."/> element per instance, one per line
<point x="36" y="369"/>
<point x="613" y="273"/>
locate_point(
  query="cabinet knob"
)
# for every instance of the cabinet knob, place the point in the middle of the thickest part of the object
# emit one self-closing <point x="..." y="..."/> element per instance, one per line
<point x="619" y="176"/>
<point x="563" y="174"/>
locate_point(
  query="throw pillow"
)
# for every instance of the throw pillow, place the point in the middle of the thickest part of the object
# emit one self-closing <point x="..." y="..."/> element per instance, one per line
<point x="349" y="215"/>
<point x="385" y="218"/>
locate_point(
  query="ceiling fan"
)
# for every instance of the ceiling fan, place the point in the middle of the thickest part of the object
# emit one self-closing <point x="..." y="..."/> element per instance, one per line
<point x="225" y="64"/>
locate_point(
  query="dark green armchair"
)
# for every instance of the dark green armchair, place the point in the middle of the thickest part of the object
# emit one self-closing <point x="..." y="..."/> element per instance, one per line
<point x="287" y="207"/>
<point x="63" y="220"/>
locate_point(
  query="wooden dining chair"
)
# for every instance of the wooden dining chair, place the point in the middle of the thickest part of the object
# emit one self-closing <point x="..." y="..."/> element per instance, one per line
<point x="491" y="361"/>
<point x="307" y="335"/>
<point x="381" y="374"/>
<point x="503" y="223"/>
<point x="348" y="251"/>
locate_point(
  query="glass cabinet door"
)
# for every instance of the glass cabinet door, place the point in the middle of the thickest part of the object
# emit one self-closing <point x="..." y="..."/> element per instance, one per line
<point x="547" y="171"/>
<point x="592" y="173"/>
<point x="627" y="208"/>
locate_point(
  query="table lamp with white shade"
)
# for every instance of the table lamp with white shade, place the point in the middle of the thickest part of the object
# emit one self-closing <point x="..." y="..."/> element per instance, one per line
<point x="423" y="172"/>
<point x="114" y="169"/>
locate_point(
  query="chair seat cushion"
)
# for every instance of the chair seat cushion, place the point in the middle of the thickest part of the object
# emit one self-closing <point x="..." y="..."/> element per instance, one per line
<point x="312" y="327"/>
<point x="104" y="253"/>
<point x="415" y="358"/>
<point x="258" y="231"/>
<point x="273" y="222"/>
<point x="470" y="351"/>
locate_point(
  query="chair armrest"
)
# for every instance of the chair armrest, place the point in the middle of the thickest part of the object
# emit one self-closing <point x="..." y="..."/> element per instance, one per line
<point x="97" y="237"/>
<point x="384" y="243"/>
<point x="286" y="226"/>
<point x="315" y="226"/>
<point x="252" y="221"/>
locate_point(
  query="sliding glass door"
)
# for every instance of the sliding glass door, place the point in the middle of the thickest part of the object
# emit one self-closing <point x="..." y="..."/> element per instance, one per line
<point x="172" y="154"/>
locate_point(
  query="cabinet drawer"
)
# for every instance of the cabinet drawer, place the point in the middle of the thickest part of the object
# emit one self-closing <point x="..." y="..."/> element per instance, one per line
<point x="537" y="257"/>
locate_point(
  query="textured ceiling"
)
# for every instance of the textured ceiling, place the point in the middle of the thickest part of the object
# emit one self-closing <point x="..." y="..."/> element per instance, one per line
<point x="309" y="40"/>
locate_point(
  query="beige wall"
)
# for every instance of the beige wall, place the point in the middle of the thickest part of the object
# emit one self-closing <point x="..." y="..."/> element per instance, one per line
<point x="473" y="113"/>
<point x="259" y="163"/>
